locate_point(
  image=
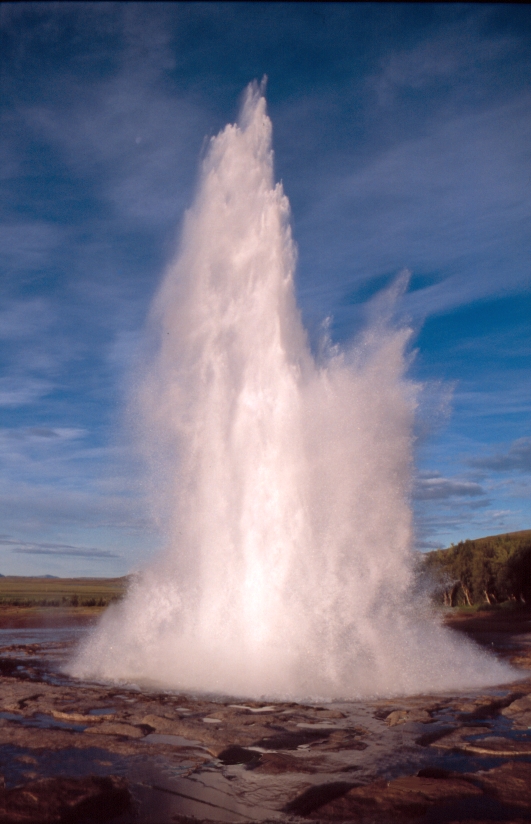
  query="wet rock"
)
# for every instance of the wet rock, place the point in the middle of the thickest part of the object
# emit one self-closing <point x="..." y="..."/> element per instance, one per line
<point x="65" y="801"/>
<point x="162" y="725"/>
<point x="487" y="709"/>
<point x="299" y="746"/>
<point x="522" y="660"/>
<point x="33" y="738"/>
<point x="26" y="759"/>
<point x="347" y="739"/>
<point x="116" y="728"/>
<point x="464" y="739"/>
<point x="436" y="772"/>
<point x="522" y="704"/>
<point x="402" y="800"/>
<point x="519" y="712"/>
<point x="469" y="705"/>
<point x="430" y="738"/>
<point x="281" y="763"/>
<point x="229" y="728"/>
<point x="76" y="717"/>
<point x="509" y="784"/>
<point x="404" y="716"/>
<point x="497" y="746"/>
<point x="424" y="706"/>
<point x="314" y="797"/>
<point x="453" y="738"/>
<point x="324" y="713"/>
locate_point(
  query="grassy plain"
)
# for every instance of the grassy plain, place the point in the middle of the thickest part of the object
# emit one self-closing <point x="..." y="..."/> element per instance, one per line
<point x="24" y="591"/>
<point x="33" y="602"/>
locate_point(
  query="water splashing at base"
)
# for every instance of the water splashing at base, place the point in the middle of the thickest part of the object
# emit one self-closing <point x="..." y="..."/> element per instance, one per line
<point x="283" y="482"/>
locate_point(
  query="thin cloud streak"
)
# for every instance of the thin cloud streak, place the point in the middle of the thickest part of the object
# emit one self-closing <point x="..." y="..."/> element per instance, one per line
<point x="23" y="548"/>
<point x="437" y="204"/>
<point x="517" y="457"/>
<point x="437" y="488"/>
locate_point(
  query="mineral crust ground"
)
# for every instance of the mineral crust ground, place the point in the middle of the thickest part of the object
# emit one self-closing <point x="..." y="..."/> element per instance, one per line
<point x="88" y="753"/>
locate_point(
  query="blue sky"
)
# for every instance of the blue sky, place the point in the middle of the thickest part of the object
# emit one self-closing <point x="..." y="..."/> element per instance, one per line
<point x="401" y="135"/>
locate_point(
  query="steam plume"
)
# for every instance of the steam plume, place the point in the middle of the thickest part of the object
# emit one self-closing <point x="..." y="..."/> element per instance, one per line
<point x="283" y="482"/>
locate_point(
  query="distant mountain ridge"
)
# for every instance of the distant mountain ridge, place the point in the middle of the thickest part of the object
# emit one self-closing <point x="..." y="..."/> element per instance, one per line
<point x="490" y="570"/>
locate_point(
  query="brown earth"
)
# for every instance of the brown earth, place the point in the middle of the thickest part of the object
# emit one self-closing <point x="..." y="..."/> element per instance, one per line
<point x="35" y="617"/>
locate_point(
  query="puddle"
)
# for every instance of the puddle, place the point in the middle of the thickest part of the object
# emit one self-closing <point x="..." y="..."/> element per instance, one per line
<point x="42" y="721"/>
<point x="71" y="762"/>
<point x="173" y="740"/>
<point x="103" y="711"/>
<point x="41" y="635"/>
<point x="319" y="725"/>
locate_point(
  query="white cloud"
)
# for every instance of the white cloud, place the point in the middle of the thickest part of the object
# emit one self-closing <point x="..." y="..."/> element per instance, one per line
<point x="438" y="488"/>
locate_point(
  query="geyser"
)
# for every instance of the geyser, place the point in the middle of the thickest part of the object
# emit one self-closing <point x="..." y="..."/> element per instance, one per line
<point x="283" y="481"/>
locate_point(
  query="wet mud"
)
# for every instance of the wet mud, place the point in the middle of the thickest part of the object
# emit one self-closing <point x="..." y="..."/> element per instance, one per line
<point x="85" y="753"/>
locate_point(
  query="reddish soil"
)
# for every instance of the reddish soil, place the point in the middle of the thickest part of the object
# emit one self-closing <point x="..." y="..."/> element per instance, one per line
<point x="36" y="617"/>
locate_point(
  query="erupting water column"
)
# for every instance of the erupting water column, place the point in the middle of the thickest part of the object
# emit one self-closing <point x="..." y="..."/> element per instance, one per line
<point x="283" y="483"/>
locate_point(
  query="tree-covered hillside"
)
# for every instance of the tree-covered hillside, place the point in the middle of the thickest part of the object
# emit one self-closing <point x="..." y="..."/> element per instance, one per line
<point x="487" y="570"/>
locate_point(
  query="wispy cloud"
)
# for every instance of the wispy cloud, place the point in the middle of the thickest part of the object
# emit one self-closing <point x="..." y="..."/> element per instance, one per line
<point x="128" y="133"/>
<point x="438" y="488"/>
<point x="25" y="318"/>
<point x="22" y="391"/>
<point x="40" y="505"/>
<point x="516" y="457"/>
<point x="457" y="54"/>
<point x="23" y="548"/>
<point x="26" y="247"/>
<point x="40" y="432"/>
<point x="442" y="204"/>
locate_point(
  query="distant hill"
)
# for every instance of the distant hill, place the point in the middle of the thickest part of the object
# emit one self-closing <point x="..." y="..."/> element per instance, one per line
<point x="488" y="570"/>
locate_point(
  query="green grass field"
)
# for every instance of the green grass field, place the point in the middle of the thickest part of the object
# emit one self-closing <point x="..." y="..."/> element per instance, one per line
<point x="21" y="591"/>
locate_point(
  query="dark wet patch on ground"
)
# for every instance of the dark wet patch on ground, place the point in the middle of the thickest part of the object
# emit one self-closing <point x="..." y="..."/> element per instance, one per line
<point x="315" y="797"/>
<point x="286" y="740"/>
<point x="86" y="800"/>
<point x="239" y="755"/>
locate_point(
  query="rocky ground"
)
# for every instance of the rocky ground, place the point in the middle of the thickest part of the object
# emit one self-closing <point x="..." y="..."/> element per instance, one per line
<point x="88" y="753"/>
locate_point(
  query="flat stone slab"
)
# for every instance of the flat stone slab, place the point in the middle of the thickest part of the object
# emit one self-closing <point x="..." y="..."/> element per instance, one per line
<point x="505" y="790"/>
